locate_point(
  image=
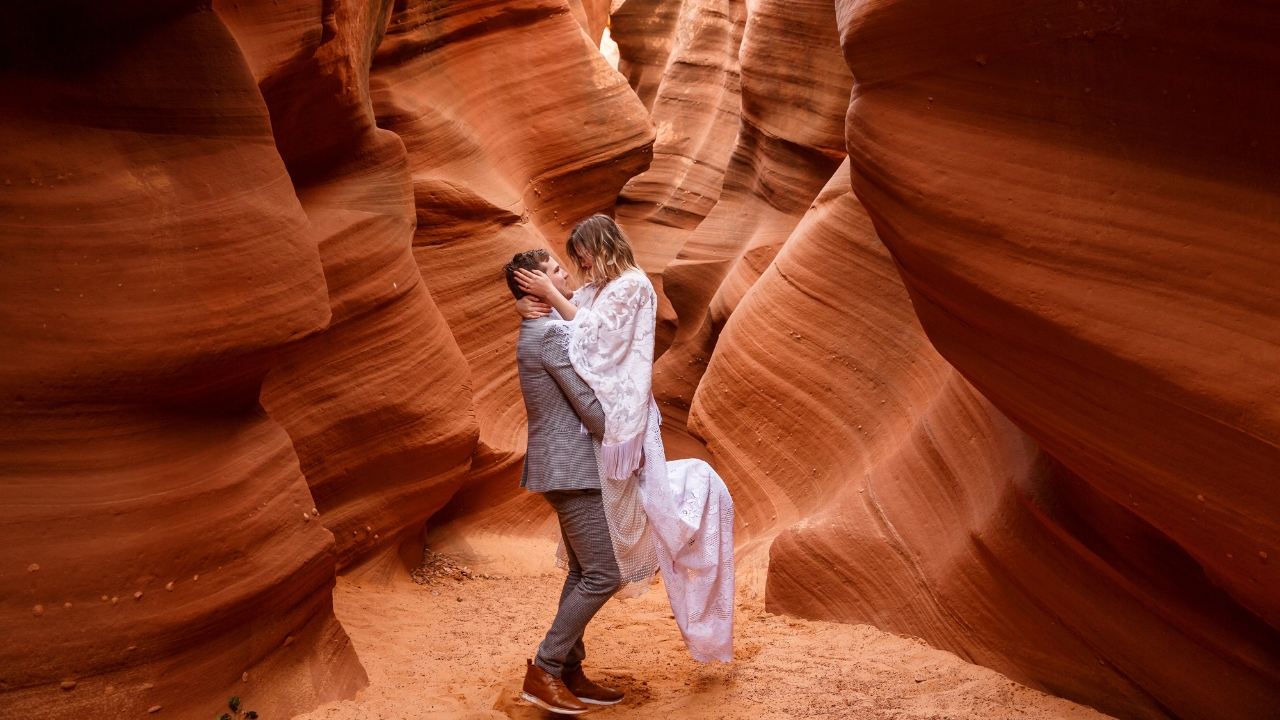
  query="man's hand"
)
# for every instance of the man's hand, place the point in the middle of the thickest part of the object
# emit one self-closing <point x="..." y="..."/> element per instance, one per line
<point x="531" y="307"/>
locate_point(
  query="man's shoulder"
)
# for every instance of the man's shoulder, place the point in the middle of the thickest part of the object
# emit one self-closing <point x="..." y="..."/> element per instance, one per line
<point x="533" y="329"/>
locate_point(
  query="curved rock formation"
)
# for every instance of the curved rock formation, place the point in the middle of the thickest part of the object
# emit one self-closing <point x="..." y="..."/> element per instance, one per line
<point x="249" y="269"/>
<point x="381" y="447"/>
<point x="795" y="88"/>
<point x="645" y="33"/>
<point x="697" y="112"/>
<point x="1084" y="212"/>
<point x="922" y="509"/>
<point x="592" y="16"/>
<point x="516" y="128"/>
<point x="161" y="550"/>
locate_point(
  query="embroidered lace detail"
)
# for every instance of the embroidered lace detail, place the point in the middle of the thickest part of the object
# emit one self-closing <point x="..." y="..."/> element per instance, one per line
<point x="676" y="516"/>
<point x="612" y="349"/>
<point x="690" y="514"/>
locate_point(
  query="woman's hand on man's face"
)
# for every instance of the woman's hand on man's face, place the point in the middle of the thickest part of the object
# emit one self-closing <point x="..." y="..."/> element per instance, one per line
<point x="531" y="307"/>
<point x="535" y="282"/>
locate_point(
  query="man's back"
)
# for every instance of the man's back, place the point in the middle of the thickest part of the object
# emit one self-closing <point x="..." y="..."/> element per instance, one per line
<point x="559" y="404"/>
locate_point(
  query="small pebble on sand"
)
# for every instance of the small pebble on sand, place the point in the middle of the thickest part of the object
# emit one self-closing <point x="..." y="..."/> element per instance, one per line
<point x="305" y="517"/>
<point x="39" y="610"/>
<point x="66" y="605"/>
<point x="33" y="567"/>
<point x="137" y="595"/>
<point x="288" y="640"/>
<point x="245" y="676"/>
<point x="169" y="587"/>
<point x="153" y="709"/>
<point x="68" y="685"/>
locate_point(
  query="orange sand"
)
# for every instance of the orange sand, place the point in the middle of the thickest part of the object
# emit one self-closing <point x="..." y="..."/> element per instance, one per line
<point x="457" y="650"/>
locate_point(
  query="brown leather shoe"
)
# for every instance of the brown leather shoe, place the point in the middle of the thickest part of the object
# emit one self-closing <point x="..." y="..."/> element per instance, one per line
<point x="589" y="692"/>
<point x="548" y="692"/>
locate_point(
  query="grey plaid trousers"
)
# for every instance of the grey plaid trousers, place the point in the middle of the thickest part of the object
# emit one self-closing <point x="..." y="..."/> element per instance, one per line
<point x="593" y="577"/>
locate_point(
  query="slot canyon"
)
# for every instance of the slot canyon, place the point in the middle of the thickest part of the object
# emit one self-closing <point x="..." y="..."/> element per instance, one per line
<point x="939" y="297"/>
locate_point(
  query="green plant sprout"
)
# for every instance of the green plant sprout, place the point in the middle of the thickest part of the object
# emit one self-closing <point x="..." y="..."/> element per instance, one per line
<point x="236" y="712"/>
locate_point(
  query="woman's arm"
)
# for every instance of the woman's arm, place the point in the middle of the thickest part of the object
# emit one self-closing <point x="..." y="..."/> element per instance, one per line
<point x="537" y="283"/>
<point x="530" y="307"/>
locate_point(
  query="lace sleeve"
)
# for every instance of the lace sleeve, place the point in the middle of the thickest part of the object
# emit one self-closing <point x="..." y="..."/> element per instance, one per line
<point x="612" y="349"/>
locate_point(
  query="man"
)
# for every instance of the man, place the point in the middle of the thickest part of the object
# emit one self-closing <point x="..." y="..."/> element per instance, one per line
<point x="563" y="463"/>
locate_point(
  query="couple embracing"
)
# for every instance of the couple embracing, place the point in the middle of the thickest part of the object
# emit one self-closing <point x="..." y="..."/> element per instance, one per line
<point x="595" y="454"/>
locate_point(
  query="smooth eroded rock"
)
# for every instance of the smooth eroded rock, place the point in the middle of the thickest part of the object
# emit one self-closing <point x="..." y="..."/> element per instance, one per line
<point x="154" y="259"/>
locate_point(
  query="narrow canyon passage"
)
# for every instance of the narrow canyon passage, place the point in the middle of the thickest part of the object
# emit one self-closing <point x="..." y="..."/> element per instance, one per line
<point x="971" y="304"/>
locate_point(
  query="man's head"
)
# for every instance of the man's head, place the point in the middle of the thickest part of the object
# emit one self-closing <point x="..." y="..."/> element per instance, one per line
<point x="536" y="259"/>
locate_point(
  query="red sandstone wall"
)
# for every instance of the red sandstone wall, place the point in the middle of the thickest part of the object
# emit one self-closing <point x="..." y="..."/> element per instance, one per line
<point x="205" y="220"/>
<point x="795" y="87"/>
<point x="1095" y="247"/>
<point x="697" y="111"/>
<point x="645" y="33"/>
<point x="380" y="443"/>
<point x="920" y="508"/>
<point x="302" y="207"/>
<point x="159" y="535"/>
<point x="1045" y="221"/>
<point x="516" y="128"/>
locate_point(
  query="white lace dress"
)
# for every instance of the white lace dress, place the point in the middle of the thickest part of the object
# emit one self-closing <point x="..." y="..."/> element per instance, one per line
<point x="676" y="516"/>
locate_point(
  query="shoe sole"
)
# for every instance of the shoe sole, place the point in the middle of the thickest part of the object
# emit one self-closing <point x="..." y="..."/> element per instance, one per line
<point x="601" y="702"/>
<point x="548" y="706"/>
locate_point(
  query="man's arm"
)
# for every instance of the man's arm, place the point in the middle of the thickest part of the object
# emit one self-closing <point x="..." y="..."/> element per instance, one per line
<point x="555" y="358"/>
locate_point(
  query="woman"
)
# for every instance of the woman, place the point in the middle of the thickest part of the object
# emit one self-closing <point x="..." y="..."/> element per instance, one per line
<point x="680" y="511"/>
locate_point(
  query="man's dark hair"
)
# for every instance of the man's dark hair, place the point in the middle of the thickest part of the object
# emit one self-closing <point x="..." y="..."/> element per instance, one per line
<point x="528" y="260"/>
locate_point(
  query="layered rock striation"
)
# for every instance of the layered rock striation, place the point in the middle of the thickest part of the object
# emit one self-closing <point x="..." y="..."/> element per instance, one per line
<point x="381" y="446"/>
<point x="1004" y="380"/>
<point x="224" y="344"/>
<point x="1043" y="217"/>
<point x="1094" y="249"/>
<point x="922" y="509"/>
<point x="795" y="87"/>
<point x="516" y="128"/>
<point x="161" y="546"/>
<point x="697" y="111"/>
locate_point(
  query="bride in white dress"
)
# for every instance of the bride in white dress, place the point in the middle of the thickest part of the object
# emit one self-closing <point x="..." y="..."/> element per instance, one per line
<point x="675" y="516"/>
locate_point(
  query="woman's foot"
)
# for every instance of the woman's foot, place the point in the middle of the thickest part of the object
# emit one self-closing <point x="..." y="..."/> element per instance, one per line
<point x="549" y="692"/>
<point x="589" y="692"/>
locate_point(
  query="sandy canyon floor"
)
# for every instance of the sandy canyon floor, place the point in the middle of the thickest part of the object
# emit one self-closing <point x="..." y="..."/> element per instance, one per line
<point x="455" y="648"/>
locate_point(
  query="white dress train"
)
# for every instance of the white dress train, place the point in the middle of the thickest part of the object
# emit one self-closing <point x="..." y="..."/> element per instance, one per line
<point x="686" y="527"/>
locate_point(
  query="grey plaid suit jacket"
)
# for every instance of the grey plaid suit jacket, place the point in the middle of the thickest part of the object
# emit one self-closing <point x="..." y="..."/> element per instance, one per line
<point x="559" y="404"/>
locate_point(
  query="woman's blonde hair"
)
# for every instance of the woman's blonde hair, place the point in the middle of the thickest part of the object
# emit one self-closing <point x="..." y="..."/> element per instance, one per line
<point x="599" y="239"/>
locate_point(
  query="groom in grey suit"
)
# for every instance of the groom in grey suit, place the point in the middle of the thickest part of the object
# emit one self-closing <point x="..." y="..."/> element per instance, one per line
<point x="563" y="464"/>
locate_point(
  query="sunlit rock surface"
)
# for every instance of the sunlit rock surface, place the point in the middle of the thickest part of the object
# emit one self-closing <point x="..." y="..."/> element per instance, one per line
<point x="697" y="112"/>
<point x="795" y="88"/>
